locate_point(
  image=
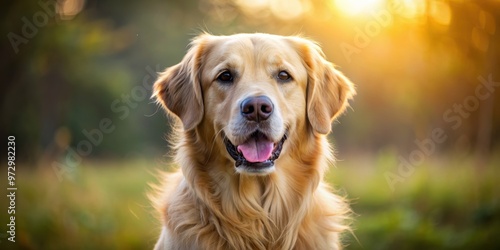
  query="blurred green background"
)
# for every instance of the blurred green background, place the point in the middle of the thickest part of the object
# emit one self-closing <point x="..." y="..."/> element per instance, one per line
<point x="418" y="152"/>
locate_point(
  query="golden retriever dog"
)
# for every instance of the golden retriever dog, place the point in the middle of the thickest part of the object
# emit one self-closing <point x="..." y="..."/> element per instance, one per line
<point x="252" y="112"/>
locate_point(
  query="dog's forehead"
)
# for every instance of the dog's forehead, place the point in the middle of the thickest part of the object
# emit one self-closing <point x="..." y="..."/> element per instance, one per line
<point x="261" y="48"/>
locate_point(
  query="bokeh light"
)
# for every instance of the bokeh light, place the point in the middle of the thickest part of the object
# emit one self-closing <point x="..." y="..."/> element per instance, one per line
<point x="350" y="7"/>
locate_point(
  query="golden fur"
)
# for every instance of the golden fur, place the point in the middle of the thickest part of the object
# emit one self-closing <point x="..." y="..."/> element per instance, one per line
<point x="208" y="203"/>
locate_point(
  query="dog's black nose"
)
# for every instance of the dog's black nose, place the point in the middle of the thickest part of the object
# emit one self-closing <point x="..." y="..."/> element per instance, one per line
<point x="257" y="108"/>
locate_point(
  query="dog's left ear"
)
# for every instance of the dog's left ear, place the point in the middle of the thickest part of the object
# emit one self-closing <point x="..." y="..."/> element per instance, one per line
<point x="328" y="90"/>
<point x="178" y="89"/>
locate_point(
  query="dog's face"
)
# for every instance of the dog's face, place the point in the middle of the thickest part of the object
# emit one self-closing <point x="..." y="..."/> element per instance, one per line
<point x="250" y="92"/>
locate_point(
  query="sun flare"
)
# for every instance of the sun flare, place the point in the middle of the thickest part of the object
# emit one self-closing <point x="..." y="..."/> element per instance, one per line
<point x="351" y="7"/>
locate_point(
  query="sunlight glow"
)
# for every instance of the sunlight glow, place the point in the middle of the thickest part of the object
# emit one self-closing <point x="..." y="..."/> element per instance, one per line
<point x="441" y="12"/>
<point x="283" y="9"/>
<point x="408" y="8"/>
<point x="255" y="4"/>
<point x="354" y="7"/>
<point x="289" y="9"/>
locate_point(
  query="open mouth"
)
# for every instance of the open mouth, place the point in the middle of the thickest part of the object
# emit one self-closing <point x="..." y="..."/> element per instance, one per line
<point x="257" y="154"/>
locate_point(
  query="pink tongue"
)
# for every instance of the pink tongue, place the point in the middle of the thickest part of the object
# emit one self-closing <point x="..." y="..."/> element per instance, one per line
<point x="256" y="149"/>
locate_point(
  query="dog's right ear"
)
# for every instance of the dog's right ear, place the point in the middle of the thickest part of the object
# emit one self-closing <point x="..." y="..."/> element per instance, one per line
<point x="178" y="88"/>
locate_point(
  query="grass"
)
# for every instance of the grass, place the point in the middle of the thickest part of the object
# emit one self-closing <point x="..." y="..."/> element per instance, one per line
<point x="103" y="207"/>
<point x="444" y="204"/>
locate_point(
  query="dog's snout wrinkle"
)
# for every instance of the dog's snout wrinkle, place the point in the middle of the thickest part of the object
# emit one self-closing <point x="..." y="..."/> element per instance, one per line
<point x="258" y="108"/>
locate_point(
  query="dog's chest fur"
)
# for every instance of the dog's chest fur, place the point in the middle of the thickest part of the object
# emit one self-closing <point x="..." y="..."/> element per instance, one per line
<point x="231" y="211"/>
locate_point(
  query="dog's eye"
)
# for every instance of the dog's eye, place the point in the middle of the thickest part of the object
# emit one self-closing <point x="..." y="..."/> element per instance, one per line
<point x="225" y="77"/>
<point x="284" y="76"/>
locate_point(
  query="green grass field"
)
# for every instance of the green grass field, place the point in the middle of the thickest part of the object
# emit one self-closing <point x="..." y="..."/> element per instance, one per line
<point x="444" y="204"/>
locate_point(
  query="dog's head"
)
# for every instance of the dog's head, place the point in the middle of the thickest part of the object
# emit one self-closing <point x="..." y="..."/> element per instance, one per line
<point x="254" y="90"/>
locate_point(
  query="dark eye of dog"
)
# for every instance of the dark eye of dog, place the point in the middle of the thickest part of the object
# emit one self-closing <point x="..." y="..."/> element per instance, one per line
<point x="284" y="76"/>
<point x="225" y="77"/>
